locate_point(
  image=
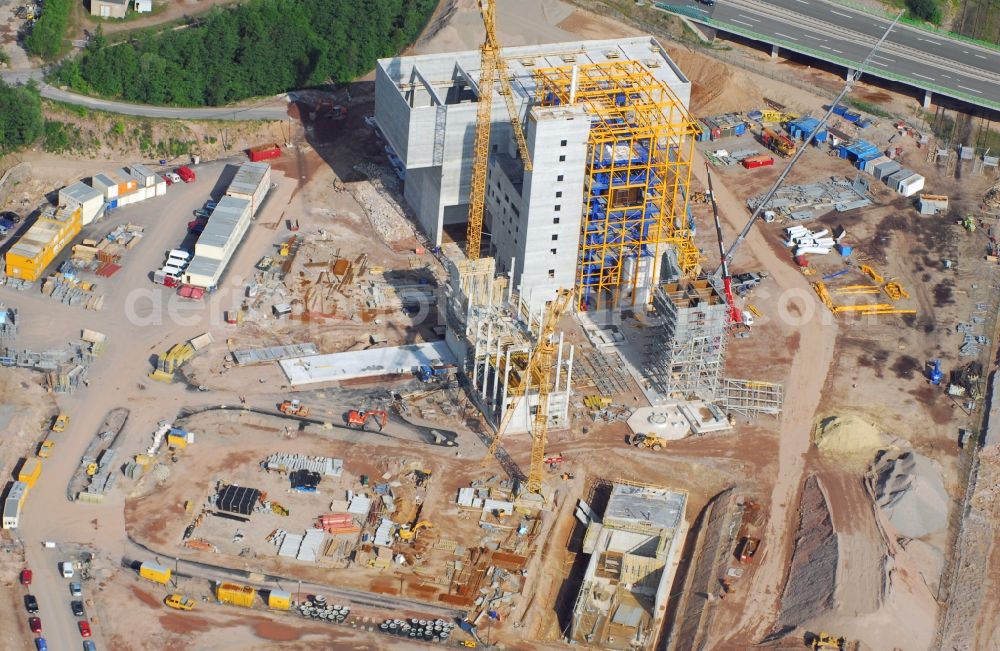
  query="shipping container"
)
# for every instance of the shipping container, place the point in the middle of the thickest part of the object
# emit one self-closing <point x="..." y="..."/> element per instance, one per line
<point x="145" y="177"/>
<point x="154" y="572"/>
<point x="910" y="185"/>
<point x="752" y="162"/>
<point x="41" y="243"/>
<point x="225" y="229"/>
<point x="105" y="185"/>
<point x="279" y="600"/>
<point x="13" y="504"/>
<point x="235" y="594"/>
<point x="31" y="470"/>
<point x="252" y="181"/>
<point x="90" y="201"/>
<point x="264" y="152"/>
<point x="175" y="441"/>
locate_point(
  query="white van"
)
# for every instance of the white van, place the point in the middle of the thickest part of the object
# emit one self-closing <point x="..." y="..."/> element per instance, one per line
<point x="178" y="254"/>
<point x="170" y="270"/>
<point x="67" y="569"/>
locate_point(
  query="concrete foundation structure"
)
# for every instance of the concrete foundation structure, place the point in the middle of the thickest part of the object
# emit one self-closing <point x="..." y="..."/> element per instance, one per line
<point x="634" y="551"/>
<point x="426" y="108"/>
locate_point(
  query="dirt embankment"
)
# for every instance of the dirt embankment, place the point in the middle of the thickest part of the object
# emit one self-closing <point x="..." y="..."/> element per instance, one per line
<point x="812" y="577"/>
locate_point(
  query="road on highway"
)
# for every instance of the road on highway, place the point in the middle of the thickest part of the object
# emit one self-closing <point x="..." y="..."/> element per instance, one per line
<point x="844" y="36"/>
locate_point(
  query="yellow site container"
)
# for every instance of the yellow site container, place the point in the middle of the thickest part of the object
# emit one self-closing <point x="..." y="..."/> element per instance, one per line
<point x="235" y="594"/>
<point x="30" y="472"/>
<point x="279" y="600"/>
<point x="175" y="441"/>
<point x="154" y="572"/>
<point x="40" y="244"/>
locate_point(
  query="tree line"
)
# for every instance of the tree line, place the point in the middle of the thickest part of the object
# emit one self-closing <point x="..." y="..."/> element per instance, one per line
<point x="260" y="48"/>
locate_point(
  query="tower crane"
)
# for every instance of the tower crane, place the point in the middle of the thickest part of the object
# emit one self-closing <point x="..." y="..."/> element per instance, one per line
<point x="492" y="66"/>
<point x="539" y="369"/>
<point x="759" y="210"/>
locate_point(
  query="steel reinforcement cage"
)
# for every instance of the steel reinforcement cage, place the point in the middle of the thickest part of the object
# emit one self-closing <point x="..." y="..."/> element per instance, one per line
<point x="637" y="181"/>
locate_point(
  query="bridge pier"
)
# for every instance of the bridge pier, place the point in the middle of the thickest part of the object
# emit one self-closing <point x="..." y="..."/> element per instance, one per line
<point x="775" y="50"/>
<point x="928" y="96"/>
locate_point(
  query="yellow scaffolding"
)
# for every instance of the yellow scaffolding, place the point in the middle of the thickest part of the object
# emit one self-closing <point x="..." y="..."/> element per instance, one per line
<point x="637" y="179"/>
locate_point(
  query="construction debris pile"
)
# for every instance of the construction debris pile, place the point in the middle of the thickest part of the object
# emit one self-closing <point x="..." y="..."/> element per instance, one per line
<point x="102" y="257"/>
<point x="910" y="492"/>
<point x="377" y="198"/>
<point x="814" y="199"/>
<point x="97" y="472"/>
<point x="973" y="339"/>
<point x="992" y="197"/>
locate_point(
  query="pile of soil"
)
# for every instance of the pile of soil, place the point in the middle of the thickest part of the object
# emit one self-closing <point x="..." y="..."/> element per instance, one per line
<point x="714" y="87"/>
<point x="812" y="577"/>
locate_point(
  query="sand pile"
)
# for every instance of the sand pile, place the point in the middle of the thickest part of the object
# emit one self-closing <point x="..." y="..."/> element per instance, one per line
<point x="910" y="492"/>
<point x="714" y="87"/>
<point x="849" y="438"/>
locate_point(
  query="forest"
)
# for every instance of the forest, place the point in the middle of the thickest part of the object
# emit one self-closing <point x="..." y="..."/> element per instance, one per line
<point x="21" y="121"/>
<point x="260" y="48"/>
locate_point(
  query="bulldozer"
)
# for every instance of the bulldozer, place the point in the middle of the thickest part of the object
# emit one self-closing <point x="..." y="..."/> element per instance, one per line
<point x="358" y="419"/>
<point x="293" y="408"/>
<point x="823" y="640"/>
<point x="650" y="441"/>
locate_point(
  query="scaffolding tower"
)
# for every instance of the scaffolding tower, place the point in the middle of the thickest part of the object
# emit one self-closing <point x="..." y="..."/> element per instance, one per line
<point x="687" y="357"/>
<point x="637" y="176"/>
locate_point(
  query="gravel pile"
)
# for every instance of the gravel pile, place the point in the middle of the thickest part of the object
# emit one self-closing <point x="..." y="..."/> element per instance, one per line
<point x="849" y="439"/>
<point x="910" y="492"/>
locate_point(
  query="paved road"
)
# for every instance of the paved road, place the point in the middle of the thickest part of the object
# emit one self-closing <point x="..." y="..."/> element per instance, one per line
<point x="270" y="111"/>
<point x="845" y="36"/>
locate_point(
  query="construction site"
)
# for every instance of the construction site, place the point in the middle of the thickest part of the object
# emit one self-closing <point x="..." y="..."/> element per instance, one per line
<point x="552" y="331"/>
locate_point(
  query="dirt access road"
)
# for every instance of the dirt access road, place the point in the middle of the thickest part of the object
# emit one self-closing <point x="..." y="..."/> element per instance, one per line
<point x="799" y="314"/>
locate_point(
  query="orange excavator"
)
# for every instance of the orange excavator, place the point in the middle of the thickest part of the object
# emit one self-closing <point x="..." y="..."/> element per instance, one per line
<point x="360" y="420"/>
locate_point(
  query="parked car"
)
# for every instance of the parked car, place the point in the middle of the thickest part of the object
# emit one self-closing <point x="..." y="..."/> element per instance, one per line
<point x="202" y="213"/>
<point x="76" y="589"/>
<point x="185" y="173"/>
<point x="30" y="604"/>
<point x="41" y="644"/>
<point x="77" y="608"/>
<point x="35" y="624"/>
<point x="88" y="645"/>
<point x="196" y="226"/>
<point x="66" y="568"/>
<point x="211" y="204"/>
<point x="13" y="217"/>
<point x="26" y="577"/>
<point x="62" y="420"/>
<point x="172" y="177"/>
<point x="84" y="629"/>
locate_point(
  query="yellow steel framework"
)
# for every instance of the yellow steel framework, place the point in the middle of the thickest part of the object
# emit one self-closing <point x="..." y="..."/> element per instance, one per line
<point x="491" y="63"/>
<point x="539" y="373"/>
<point x="637" y="178"/>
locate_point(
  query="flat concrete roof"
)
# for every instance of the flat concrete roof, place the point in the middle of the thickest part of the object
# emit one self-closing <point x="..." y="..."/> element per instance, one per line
<point x="248" y="178"/>
<point x="438" y="69"/>
<point x="649" y="506"/>
<point x="365" y="363"/>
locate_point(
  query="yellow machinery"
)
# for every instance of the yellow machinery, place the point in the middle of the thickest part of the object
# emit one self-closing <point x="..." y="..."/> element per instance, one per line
<point x="293" y="408"/>
<point x="539" y="372"/>
<point x="895" y="291"/>
<point x="492" y="66"/>
<point x="91" y="469"/>
<point x="61" y="422"/>
<point x="408" y="533"/>
<point x="826" y="641"/>
<point x="637" y="176"/>
<point x="650" y="441"/>
<point x="45" y="449"/>
<point x="168" y="363"/>
<point x="278" y="509"/>
<point x="824" y="295"/>
<point x="179" y="602"/>
<point x="777" y="117"/>
<point x="871" y="273"/>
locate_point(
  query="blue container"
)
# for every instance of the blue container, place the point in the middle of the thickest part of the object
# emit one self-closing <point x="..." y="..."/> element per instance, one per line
<point x="740" y="129"/>
<point x="844" y="250"/>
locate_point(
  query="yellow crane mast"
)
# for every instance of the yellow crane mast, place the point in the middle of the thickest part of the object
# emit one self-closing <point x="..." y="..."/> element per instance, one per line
<point x="491" y="64"/>
<point x="539" y="370"/>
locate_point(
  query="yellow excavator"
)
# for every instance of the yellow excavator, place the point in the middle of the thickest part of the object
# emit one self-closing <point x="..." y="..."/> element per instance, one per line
<point x="409" y="534"/>
<point x="649" y="441"/>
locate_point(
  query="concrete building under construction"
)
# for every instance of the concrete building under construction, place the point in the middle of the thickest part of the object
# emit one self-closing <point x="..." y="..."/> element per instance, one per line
<point x="687" y="357"/>
<point x="634" y="550"/>
<point x="611" y="141"/>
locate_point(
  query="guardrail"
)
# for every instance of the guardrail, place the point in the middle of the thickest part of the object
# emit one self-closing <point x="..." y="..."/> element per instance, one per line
<point x="847" y="63"/>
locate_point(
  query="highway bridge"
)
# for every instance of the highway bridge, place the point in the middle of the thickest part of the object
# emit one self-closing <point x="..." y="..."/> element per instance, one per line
<point x="832" y="32"/>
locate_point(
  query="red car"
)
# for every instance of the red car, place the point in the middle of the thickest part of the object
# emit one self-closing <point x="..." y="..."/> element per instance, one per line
<point x="25" y="577"/>
<point x="35" y="624"/>
<point x="84" y="629"/>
